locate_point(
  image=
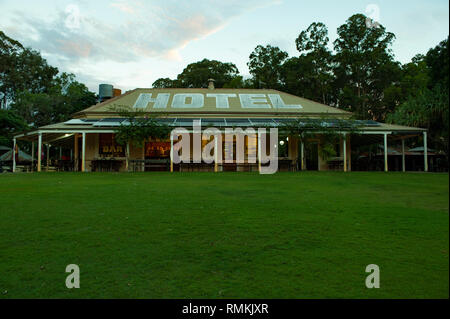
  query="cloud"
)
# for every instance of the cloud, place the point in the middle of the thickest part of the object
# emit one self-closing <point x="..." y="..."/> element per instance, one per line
<point x="124" y="7"/>
<point x="128" y="29"/>
<point x="79" y="37"/>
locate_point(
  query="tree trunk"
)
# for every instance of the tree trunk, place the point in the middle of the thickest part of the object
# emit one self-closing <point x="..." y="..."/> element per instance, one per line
<point x="127" y="155"/>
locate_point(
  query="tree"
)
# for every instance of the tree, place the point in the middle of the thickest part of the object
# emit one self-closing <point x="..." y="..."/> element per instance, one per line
<point x="364" y="67"/>
<point x="196" y="75"/>
<point x="428" y="110"/>
<point x="74" y="97"/>
<point x="425" y="85"/>
<point x="22" y="69"/>
<point x="33" y="89"/>
<point x="415" y="78"/>
<point x="163" y="83"/>
<point x="291" y="77"/>
<point x="10" y="124"/>
<point x="298" y="77"/>
<point x="315" y="59"/>
<point x="138" y="127"/>
<point x="9" y="49"/>
<point x="265" y="66"/>
<point x="64" y="98"/>
<point x="238" y="82"/>
<point x="313" y="39"/>
<point x="438" y="62"/>
<point x="35" y="108"/>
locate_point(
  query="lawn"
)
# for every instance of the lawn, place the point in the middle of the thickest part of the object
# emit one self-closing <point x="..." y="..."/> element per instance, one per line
<point x="225" y="235"/>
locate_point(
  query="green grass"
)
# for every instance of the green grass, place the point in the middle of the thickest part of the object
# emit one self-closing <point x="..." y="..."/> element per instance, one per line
<point x="228" y="235"/>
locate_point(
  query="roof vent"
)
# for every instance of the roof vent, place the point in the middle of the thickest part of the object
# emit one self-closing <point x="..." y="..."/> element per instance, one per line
<point x="211" y="84"/>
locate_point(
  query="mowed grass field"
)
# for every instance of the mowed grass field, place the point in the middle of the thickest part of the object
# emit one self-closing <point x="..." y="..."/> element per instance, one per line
<point x="225" y="235"/>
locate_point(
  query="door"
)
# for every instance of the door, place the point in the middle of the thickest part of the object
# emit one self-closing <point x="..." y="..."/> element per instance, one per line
<point x="312" y="156"/>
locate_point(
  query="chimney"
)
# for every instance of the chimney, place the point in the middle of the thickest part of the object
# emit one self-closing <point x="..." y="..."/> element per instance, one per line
<point x="211" y="84"/>
<point x="117" y="92"/>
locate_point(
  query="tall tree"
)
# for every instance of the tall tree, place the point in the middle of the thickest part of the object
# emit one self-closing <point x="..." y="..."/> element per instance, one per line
<point x="238" y="82"/>
<point x="291" y="77"/>
<point x="75" y="96"/>
<point x="426" y="87"/>
<point x="315" y="57"/>
<point x="265" y="66"/>
<point x="415" y="78"/>
<point x="299" y="77"/>
<point x="196" y="74"/>
<point x="35" y="108"/>
<point x="10" y="124"/>
<point x="365" y="67"/>
<point x="438" y="62"/>
<point x="164" y="83"/>
<point x="22" y="69"/>
<point x="9" y="50"/>
<point x="429" y="110"/>
<point x="64" y="98"/>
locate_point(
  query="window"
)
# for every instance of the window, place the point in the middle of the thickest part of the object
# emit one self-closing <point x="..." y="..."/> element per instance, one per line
<point x="108" y="147"/>
<point x="157" y="150"/>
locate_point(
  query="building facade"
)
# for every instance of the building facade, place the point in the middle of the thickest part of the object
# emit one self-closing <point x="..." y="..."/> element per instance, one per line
<point x="87" y="142"/>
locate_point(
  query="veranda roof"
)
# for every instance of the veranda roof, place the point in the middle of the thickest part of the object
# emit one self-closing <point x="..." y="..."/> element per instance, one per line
<point x="220" y="108"/>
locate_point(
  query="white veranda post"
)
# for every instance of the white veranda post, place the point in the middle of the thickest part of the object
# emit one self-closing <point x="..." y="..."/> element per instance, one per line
<point x="259" y="151"/>
<point x="14" y="155"/>
<point x="171" y="153"/>
<point x="83" y="152"/>
<point x="39" y="156"/>
<point x="385" y="153"/>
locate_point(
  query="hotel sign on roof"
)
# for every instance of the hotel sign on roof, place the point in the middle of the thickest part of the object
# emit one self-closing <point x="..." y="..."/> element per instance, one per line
<point x="222" y="101"/>
<point x="216" y="101"/>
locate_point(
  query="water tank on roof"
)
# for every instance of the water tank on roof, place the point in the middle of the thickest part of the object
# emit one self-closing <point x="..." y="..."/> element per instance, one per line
<point x="105" y="91"/>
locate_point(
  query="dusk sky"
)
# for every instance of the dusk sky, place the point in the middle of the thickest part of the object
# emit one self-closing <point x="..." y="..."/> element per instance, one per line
<point x="131" y="43"/>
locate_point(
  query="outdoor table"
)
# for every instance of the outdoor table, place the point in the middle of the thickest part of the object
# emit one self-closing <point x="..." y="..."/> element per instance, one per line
<point x="106" y="165"/>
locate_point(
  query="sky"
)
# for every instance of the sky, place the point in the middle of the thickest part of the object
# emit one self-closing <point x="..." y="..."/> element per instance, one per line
<point x="131" y="43"/>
